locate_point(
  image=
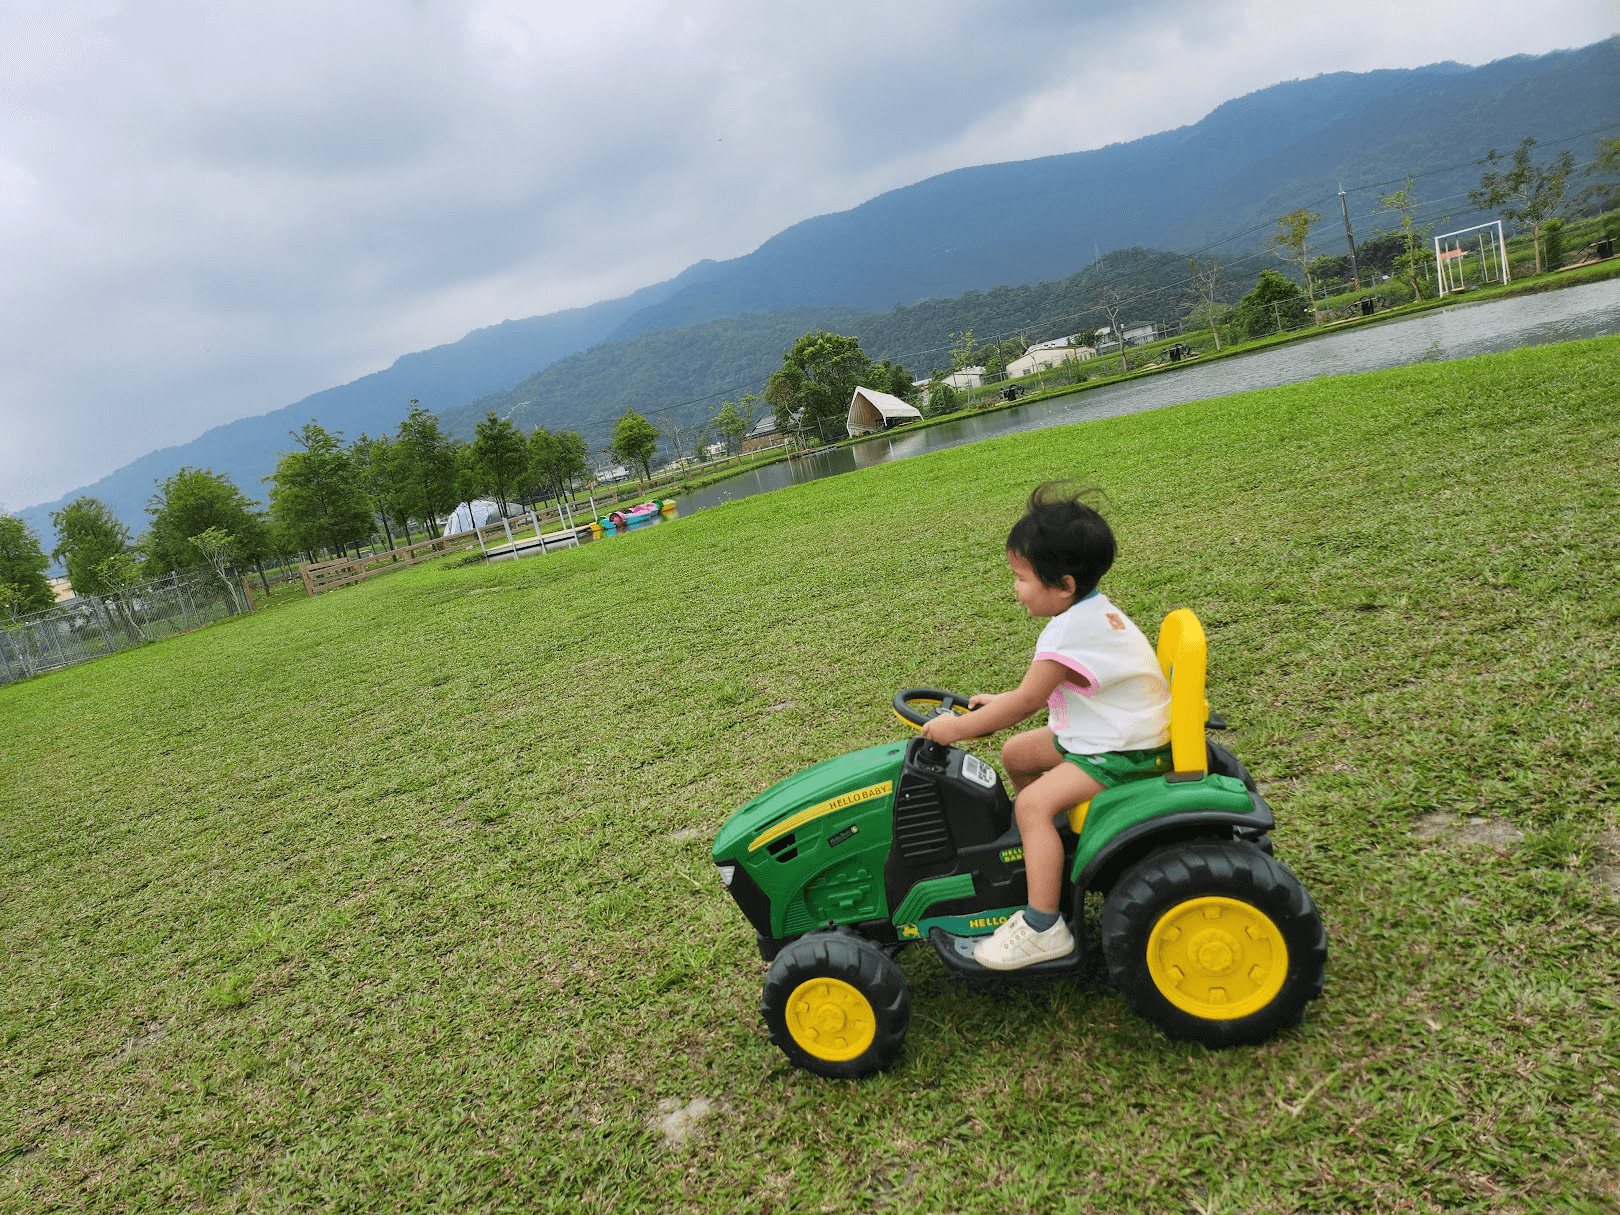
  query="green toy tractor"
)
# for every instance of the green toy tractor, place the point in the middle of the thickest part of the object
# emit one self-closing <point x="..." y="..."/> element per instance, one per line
<point x="840" y="866"/>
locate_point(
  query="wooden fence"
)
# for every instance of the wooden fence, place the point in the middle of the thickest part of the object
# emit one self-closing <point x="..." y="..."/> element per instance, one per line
<point x="503" y="535"/>
<point x="321" y="576"/>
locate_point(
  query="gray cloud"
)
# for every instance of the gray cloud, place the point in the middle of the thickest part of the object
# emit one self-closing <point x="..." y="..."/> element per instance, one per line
<point x="208" y="210"/>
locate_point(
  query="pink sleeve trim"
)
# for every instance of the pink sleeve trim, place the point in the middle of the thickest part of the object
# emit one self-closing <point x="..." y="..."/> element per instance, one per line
<point x="1088" y="682"/>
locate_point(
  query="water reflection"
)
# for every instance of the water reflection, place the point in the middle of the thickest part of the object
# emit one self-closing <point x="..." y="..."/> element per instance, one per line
<point x="1448" y="333"/>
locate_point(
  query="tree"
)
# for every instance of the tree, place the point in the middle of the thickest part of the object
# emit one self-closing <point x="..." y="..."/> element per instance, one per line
<point x="963" y="349"/>
<point x="892" y="378"/>
<point x="88" y="535"/>
<point x="680" y="437"/>
<point x="634" y="441"/>
<point x="1112" y="301"/>
<point x="1275" y="302"/>
<point x="941" y="397"/>
<point x="556" y="460"/>
<point x="573" y="457"/>
<point x="1608" y="156"/>
<point x="317" y="499"/>
<point x="374" y="466"/>
<point x="502" y="454"/>
<point x="1403" y="204"/>
<point x="426" y="468"/>
<point x="1289" y="243"/>
<point x="730" y="425"/>
<point x="469" y="477"/>
<point x="1553" y="230"/>
<point x="217" y="547"/>
<point x="23" y="585"/>
<point x="1207" y="280"/>
<point x="818" y="376"/>
<point x="1526" y="193"/>
<point x="192" y="501"/>
<point x="120" y="572"/>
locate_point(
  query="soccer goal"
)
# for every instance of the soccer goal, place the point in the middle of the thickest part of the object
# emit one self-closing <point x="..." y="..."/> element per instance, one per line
<point x="1471" y="257"/>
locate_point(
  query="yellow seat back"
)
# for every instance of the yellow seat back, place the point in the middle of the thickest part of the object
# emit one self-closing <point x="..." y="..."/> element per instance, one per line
<point x="1183" y="655"/>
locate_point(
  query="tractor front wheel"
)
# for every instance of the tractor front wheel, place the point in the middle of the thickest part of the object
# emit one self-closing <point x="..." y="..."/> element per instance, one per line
<point x="1214" y="942"/>
<point x="836" y="1005"/>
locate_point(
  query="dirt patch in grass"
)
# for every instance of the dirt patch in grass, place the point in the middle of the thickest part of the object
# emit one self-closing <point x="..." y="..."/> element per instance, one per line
<point x="1474" y="830"/>
<point x="678" y="1121"/>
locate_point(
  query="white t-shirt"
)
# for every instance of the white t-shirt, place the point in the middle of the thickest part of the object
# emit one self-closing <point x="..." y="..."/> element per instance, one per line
<point x="1116" y="698"/>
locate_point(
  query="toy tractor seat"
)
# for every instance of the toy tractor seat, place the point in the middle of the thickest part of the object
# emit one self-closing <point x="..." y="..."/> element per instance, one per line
<point x="1183" y="655"/>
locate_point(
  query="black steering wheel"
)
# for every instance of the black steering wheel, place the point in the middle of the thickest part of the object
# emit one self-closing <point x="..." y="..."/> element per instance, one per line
<point x="919" y="706"/>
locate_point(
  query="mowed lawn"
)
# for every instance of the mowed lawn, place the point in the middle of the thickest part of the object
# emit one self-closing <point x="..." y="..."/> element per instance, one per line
<point x="400" y="898"/>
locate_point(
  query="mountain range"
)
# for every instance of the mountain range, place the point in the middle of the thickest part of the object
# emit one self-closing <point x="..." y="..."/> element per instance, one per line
<point x="1034" y="222"/>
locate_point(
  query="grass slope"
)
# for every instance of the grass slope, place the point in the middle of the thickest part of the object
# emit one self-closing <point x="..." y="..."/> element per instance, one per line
<point x="399" y="898"/>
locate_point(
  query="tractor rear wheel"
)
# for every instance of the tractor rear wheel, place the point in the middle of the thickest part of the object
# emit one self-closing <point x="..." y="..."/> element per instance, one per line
<point x="836" y="1005"/>
<point x="1214" y="942"/>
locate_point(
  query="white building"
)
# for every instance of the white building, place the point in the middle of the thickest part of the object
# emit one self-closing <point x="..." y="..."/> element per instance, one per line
<point x="871" y="411"/>
<point x="967" y="377"/>
<point x="1050" y="354"/>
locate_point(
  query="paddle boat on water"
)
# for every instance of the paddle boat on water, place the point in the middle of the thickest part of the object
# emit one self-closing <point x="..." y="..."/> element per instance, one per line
<point x="624" y="520"/>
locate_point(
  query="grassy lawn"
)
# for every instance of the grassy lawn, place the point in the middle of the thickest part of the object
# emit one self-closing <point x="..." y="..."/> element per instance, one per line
<point x="399" y="897"/>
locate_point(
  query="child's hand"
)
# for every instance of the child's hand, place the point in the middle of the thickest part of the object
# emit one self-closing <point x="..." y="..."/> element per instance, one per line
<point x="943" y="729"/>
<point x="983" y="699"/>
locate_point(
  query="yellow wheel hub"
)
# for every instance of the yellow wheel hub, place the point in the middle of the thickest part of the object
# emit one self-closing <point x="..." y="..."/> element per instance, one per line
<point x="830" y="1019"/>
<point x="1217" y="958"/>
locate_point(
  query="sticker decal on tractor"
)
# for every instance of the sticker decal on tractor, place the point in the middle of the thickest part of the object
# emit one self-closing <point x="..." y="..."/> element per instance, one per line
<point x="979" y="772"/>
<point x="852" y="798"/>
<point x="988" y="921"/>
<point x="908" y="932"/>
<point x="1008" y="855"/>
<point x="834" y="840"/>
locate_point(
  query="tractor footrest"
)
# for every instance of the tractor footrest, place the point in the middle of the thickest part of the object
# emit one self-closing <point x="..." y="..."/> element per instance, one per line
<point x="957" y="954"/>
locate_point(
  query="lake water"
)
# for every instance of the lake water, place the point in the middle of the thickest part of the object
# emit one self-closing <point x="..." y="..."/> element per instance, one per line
<point x="1455" y="332"/>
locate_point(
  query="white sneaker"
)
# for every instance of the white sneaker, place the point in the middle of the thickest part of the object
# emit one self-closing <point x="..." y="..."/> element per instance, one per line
<point x="1015" y="945"/>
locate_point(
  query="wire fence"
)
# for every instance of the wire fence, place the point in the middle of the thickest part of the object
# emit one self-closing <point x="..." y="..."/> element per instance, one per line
<point x="91" y="626"/>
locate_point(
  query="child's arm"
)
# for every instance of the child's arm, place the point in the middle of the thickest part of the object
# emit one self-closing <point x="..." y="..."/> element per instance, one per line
<point x="1000" y="711"/>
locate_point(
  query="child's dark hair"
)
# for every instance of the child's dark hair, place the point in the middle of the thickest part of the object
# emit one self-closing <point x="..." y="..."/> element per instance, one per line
<point x="1060" y="535"/>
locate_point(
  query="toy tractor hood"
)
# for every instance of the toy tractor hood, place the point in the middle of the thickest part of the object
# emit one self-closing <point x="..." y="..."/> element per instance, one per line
<point x="827" y="787"/>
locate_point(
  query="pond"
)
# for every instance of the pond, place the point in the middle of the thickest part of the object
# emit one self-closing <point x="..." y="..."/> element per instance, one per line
<point x="1456" y="332"/>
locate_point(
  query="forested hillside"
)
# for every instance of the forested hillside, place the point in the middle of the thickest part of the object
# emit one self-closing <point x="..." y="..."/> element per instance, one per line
<point x="687" y="371"/>
<point x="696" y="364"/>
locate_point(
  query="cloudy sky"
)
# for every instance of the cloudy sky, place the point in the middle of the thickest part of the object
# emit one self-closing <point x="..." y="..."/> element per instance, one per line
<point x="211" y="209"/>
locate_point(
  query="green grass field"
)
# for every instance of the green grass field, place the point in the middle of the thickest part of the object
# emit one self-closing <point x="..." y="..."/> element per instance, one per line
<point x="399" y="898"/>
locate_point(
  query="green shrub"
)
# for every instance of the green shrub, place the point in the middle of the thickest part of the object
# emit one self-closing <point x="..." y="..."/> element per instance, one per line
<point x="1552" y="238"/>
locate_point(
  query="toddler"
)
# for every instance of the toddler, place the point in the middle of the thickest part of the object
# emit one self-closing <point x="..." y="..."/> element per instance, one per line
<point x="1108" y="708"/>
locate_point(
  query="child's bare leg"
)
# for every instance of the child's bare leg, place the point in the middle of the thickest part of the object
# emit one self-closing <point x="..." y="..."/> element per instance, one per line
<point x="1026" y="756"/>
<point x="1054" y="792"/>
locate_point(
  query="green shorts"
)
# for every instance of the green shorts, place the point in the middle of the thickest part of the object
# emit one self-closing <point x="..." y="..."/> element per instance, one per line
<point x="1119" y="767"/>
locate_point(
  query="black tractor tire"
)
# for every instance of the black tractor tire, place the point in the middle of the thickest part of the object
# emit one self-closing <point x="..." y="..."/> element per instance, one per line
<point x="836" y="1005"/>
<point x="1181" y="884"/>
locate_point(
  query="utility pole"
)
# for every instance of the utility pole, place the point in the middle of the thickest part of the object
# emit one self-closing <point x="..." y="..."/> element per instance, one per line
<point x="1343" y="206"/>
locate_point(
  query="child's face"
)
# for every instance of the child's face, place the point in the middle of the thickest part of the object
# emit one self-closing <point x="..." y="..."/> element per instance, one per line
<point x="1038" y="598"/>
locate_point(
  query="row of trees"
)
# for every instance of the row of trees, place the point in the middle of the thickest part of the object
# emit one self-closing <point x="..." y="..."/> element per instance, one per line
<point x="324" y="495"/>
<point x="328" y="495"/>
